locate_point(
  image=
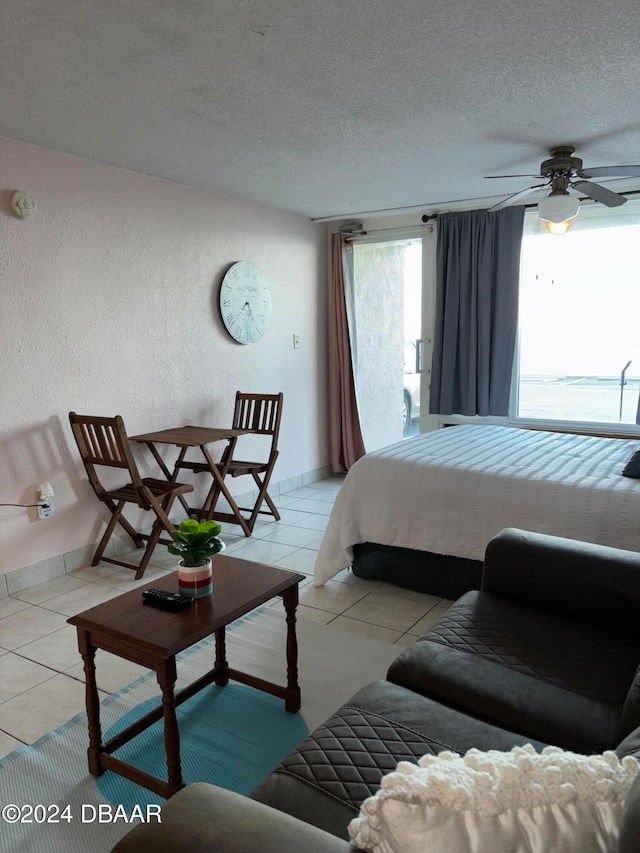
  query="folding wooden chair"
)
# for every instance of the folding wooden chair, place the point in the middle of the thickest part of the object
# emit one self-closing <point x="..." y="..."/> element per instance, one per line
<point x="104" y="442"/>
<point x="260" y="414"/>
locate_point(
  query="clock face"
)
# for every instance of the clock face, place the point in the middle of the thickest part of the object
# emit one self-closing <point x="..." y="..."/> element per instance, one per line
<point x="245" y="303"/>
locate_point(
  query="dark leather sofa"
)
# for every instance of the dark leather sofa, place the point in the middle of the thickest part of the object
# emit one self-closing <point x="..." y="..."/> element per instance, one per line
<point x="545" y="653"/>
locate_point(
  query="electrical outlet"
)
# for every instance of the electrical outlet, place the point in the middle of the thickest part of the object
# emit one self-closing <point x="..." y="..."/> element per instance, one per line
<point x="45" y="509"/>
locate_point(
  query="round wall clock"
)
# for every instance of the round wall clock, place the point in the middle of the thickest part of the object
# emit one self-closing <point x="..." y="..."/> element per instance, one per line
<point x="245" y="302"/>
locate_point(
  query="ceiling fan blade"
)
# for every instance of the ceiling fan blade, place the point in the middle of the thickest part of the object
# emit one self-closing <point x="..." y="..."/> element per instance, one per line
<point x="598" y="193"/>
<point x="512" y="199"/>
<point x="611" y="172"/>
<point x="494" y="177"/>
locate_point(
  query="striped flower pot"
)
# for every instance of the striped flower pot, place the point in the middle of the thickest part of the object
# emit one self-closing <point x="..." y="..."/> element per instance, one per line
<point x="195" y="581"/>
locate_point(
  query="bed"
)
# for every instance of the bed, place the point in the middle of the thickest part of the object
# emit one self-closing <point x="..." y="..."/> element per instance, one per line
<point x="421" y="512"/>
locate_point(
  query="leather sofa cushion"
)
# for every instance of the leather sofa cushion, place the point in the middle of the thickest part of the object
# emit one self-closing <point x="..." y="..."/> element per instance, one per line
<point x="543" y="674"/>
<point x="328" y="776"/>
<point x="631" y="708"/>
<point x="630" y="822"/>
<point x="203" y="818"/>
<point x="630" y="745"/>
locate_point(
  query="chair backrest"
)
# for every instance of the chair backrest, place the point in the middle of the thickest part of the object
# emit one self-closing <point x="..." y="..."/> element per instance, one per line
<point x="260" y="413"/>
<point x="103" y="442"/>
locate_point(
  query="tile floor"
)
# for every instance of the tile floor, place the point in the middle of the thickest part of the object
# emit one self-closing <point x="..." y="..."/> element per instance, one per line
<point x="41" y="674"/>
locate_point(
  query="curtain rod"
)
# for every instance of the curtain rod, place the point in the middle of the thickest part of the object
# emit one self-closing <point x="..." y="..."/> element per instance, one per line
<point x="393" y="211"/>
<point x="427" y="216"/>
<point x="430" y="217"/>
<point x="384" y="232"/>
<point x="450" y="206"/>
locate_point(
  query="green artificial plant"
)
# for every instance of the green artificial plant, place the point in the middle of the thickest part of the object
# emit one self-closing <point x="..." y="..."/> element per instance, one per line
<point x="196" y="541"/>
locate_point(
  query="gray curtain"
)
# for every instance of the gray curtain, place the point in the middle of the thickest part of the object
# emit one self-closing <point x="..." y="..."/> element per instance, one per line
<point x="477" y="278"/>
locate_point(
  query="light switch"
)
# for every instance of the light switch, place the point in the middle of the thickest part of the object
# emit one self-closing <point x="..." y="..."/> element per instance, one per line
<point x="296" y="341"/>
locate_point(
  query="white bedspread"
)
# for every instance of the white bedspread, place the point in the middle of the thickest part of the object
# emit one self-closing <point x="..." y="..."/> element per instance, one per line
<point x="452" y="490"/>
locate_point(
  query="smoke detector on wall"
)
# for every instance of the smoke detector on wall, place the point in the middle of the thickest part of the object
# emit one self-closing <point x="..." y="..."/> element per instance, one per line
<point x="21" y="204"/>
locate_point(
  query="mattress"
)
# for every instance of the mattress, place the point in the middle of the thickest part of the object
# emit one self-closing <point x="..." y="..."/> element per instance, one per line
<point x="450" y="491"/>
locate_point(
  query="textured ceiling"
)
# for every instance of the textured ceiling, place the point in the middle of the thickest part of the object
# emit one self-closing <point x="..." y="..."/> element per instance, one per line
<point x="325" y="106"/>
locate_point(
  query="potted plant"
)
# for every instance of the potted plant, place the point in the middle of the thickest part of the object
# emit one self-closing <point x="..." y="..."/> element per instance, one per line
<point x="195" y="543"/>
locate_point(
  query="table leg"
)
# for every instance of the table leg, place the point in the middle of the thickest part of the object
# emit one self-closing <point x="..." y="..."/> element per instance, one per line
<point x="292" y="698"/>
<point x="221" y="663"/>
<point x="222" y="468"/>
<point x="166" y="674"/>
<point x="219" y="488"/>
<point x="88" y="652"/>
<point x="214" y="492"/>
<point x="171" y="477"/>
<point x="156" y="455"/>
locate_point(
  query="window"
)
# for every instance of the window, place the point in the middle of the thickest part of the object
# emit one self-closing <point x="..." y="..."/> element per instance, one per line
<point x="578" y="357"/>
<point x="387" y="323"/>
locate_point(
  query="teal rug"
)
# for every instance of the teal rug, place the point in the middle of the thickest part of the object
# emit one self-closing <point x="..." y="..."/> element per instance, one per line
<point x="231" y="736"/>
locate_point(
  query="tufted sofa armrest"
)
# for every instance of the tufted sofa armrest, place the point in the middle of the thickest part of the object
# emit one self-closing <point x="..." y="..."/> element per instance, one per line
<point x="593" y="583"/>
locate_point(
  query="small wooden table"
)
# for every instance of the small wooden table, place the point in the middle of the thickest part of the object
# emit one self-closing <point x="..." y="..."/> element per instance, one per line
<point x="194" y="436"/>
<point x="152" y="636"/>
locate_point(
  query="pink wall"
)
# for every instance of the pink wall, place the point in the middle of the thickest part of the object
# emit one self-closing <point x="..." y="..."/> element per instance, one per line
<point x="109" y="306"/>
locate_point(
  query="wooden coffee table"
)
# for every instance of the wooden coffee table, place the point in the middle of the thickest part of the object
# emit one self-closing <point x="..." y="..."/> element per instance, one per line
<point x="152" y="637"/>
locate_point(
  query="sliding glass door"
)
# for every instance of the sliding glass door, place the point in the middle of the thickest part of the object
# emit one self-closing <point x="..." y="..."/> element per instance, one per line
<point x="389" y="346"/>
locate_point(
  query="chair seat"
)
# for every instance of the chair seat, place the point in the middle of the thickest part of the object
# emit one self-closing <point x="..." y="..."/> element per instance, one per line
<point x="165" y="487"/>
<point x="198" y="467"/>
<point x="158" y="488"/>
<point x="237" y="468"/>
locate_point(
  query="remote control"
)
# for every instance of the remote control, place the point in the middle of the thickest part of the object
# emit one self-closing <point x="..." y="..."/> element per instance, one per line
<point x="171" y="600"/>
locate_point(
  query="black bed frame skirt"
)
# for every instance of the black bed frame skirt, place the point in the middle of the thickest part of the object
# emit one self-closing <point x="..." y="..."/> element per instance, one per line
<point x="436" y="574"/>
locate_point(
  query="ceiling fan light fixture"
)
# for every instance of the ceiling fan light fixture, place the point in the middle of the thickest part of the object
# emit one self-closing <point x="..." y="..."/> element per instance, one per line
<point x="558" y="207"/>
<point x="558" y="227"/>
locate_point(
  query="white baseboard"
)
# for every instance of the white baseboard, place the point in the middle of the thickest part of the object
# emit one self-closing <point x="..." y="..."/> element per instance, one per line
<point x="54" y="567"/>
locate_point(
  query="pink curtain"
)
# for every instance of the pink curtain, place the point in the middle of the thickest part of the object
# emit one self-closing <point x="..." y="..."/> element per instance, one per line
<point x="347" y="445"/>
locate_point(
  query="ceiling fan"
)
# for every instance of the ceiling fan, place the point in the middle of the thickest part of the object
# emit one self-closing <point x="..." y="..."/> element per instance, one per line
<point x="564" y="172"/>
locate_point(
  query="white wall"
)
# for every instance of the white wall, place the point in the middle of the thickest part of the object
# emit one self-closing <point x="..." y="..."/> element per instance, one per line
<point x="109" y="306"/>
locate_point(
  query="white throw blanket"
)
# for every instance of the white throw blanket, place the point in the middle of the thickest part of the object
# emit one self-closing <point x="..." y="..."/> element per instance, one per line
<point x="484" y="801"/>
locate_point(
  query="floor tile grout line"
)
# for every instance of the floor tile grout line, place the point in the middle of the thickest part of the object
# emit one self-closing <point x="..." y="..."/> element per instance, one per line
<point x="45" y="665"/>
<point x="8" y="734"/>
<point x="317" y="522"/>
<point x="41" y="604"/>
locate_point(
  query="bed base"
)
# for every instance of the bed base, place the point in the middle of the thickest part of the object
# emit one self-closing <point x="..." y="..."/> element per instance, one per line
<point x="436" y="574"/>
